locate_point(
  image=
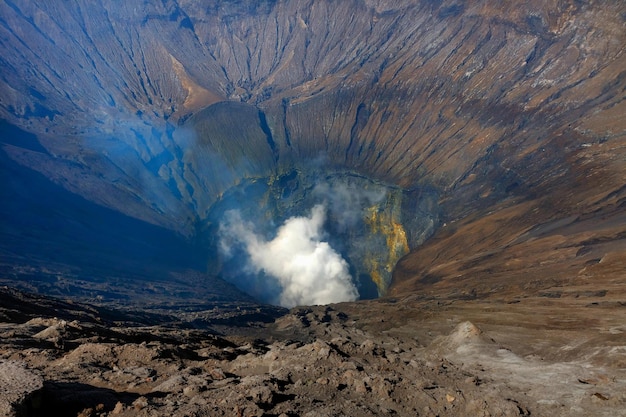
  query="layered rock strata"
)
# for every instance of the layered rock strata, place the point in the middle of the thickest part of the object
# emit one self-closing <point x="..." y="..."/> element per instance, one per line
<point x="156" y="112"/>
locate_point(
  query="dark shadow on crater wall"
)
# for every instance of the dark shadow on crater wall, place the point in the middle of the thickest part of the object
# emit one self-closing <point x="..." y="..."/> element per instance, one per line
<point x="43" y="224"/>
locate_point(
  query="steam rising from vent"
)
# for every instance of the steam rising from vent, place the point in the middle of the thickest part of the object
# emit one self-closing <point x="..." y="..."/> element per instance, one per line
<point x="303" y="269"/>
<point x="347" y="201"/>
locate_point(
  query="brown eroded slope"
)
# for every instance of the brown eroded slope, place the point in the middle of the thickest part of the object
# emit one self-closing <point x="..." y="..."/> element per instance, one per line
<point x="479" y="100"/>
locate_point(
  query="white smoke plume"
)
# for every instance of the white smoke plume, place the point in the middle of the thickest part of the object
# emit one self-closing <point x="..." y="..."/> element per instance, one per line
<point x="308" y="270"/>
<point x="347" y="201"/>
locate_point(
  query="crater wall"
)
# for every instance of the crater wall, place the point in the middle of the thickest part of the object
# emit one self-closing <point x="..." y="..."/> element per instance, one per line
<point x="157" y="111"/>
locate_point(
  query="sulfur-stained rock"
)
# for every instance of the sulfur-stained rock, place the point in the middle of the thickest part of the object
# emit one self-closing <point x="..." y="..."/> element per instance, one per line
<point x="470" y="116"/>
<point x="470" y="157"/>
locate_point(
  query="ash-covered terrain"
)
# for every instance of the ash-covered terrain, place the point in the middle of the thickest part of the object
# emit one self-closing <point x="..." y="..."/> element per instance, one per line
<point x="376" y="358"/>
<point x="192" y="181"/>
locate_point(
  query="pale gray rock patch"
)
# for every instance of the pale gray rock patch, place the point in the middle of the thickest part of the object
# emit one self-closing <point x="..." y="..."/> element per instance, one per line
<point x="17" y="385"/>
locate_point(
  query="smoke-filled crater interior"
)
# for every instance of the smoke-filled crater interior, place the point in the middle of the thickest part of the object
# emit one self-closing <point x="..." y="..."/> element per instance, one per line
<point x="308" y="231"/>
<point x="310" y="152"/>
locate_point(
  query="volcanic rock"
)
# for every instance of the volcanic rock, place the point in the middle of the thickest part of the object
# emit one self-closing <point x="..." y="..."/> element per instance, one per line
<point x="469" y="155"/>
<point x="415" y="361"/>
<point x="18" y="388"/>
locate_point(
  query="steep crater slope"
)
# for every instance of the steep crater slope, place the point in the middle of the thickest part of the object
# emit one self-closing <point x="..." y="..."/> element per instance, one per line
<point x="497" y="124"/>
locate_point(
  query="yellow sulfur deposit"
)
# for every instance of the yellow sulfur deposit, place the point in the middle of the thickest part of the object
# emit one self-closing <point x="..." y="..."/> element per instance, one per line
<point x="386" y="223"/>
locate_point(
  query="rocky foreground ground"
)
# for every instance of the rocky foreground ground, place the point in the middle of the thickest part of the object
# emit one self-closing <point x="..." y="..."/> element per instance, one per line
<point x="377" y="358"/>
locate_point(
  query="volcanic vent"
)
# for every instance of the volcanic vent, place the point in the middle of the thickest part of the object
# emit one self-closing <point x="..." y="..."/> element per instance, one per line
<point x="473" y="128"/>
<point x="306" y="231"/>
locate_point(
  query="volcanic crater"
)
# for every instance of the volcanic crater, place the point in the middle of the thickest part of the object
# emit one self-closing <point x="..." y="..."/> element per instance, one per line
<point x="192" y="166"/>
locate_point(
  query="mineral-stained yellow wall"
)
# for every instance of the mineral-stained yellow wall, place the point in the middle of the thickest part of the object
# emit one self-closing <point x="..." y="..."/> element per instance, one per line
<point x="384" y="219"/>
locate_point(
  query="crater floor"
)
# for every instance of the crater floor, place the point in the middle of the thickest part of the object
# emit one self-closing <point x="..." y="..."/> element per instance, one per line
<point x="371" y="358"/>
